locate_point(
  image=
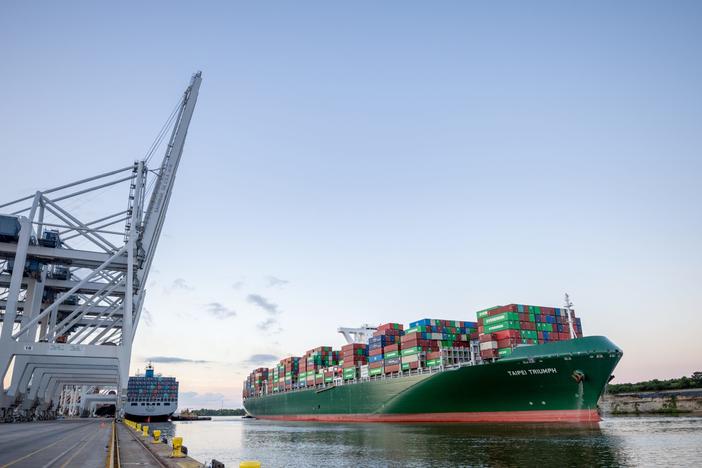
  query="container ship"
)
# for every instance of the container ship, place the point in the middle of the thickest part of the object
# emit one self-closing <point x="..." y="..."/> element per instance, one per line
<point x="151" y="397"/>
<point x="517" y="363"/>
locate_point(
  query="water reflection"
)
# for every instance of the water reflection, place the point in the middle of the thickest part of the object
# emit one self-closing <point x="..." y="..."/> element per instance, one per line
<point x="231" y="440"/>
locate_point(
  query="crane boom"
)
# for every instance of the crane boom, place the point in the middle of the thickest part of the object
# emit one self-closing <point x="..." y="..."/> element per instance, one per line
<point x="161" y="195"/>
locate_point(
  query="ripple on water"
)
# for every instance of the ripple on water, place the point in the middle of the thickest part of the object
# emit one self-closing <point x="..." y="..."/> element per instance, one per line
<point x="617" y="441"/>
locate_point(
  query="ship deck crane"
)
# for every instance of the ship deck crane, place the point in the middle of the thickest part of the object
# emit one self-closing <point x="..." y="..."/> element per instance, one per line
<point x="357" y="335"/>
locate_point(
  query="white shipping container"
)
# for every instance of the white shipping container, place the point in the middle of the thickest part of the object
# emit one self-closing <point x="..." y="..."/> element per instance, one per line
<point x="488" y="345"/>
<point x="364" y="371"/>
<point x="410" y="358"/>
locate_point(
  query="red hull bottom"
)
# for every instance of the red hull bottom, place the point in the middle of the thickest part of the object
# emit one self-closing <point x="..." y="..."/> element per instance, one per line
<point x="543" y="416"/>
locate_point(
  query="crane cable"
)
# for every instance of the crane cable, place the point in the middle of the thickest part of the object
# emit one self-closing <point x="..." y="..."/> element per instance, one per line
<point x="162" y="133"/>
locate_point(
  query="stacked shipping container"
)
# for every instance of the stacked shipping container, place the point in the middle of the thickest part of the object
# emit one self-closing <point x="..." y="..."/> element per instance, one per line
<point x="426" y="343"/>
<point x="383" y="349"/>
<point x="503" y="328"/>
<point x="423" y="341"/>
<point x="152" y="388"/>
<point x="319" y="365"/>
<point x="353" y="355"/>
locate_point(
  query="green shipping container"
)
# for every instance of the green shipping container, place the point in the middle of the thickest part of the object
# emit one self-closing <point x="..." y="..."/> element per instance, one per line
<point x="504" y="316"/>
<point x="328" y="379"/>
<point x="434" y="363"/>
<point x="392" y="354"/>
<point x="484" y="312"/>
<point x="508" y="325"/>
<point x="376" y="371"/>
<point x="502" y="352"/>
<point x="411" y="351"/>
<point x="405" y="366"/>
<point x="530" y="334"/>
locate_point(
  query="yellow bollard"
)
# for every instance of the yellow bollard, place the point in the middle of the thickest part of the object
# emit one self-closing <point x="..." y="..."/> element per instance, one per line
<point x="157" y="437"/>
<point x="250" y="464"/>
<point x="177" y="444"/>
<point x="138" y="427"/>
<point x="146" y="430"/>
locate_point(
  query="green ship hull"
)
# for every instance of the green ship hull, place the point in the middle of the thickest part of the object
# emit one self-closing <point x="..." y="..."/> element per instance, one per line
<point x="560" y="381"/>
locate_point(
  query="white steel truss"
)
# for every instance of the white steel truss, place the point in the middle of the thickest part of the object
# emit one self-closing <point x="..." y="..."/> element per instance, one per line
<point x="71" y="289"/>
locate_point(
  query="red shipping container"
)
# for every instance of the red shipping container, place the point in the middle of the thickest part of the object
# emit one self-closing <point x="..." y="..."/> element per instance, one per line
<point x="486" y="337"/>
<point x="353" y="346"/>
<point x="392" y="347"/>
<point x="375" y="352"/>
<point x="501" y="335"/>
<point x="508" y="342"/>
<point x="391" y="369"/>
<point x="411" y="336"/>
<point x="411" y="343"/>
<point x="390" y="327"/>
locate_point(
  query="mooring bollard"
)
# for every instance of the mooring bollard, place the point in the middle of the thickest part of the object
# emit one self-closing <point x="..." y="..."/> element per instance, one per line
<point x="177" y="444"/>
<point x="138" y="427"/>
<point x="250" y="464"/>
<point x="146" y="430"/>
<point x="157" y="437"/>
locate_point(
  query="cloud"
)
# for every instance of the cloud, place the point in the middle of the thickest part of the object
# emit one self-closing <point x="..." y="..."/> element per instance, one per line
<point x="179" y="284"/>
<point x="260" y="359"/>
<point x="263" y="303"/>
<point x="268" y="325"/>
<point x="174" y="360"/>
<point x="238" y="285"/>
<point x="217" y="310"/>
<point x="276" y="282"/>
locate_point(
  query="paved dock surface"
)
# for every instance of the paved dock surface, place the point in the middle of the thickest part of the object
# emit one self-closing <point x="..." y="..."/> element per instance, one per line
<point x="137" y="450"/>
<point x="61" y="444"/>
<point x="132" y="451"/>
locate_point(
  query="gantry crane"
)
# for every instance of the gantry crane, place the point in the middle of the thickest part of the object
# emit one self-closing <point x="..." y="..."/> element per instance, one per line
<point x="70" y="311"/>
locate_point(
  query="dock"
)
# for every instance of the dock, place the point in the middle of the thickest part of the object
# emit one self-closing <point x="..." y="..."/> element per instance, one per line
<point x="86" y="442"/>
<point x="62" y="443"/>
<point x="136" y="448"/>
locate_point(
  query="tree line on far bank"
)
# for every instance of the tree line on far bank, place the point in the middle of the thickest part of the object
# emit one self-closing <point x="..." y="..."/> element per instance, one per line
<point x="694" y="381"/>
<point x="220" y="412"/>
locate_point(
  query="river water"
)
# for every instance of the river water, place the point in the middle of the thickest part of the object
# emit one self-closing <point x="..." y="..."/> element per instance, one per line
<point x="616" y="441"/>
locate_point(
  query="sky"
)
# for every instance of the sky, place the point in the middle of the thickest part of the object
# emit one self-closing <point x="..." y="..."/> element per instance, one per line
<point x="368" y="162"/>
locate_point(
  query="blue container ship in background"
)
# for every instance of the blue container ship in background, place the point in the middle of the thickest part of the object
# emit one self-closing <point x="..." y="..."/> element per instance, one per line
<point x="151" y="397"/>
